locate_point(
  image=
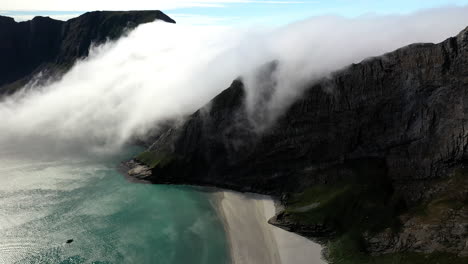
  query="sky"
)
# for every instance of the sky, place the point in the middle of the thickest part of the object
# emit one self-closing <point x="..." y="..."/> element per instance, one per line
<point x="223" y="12"/>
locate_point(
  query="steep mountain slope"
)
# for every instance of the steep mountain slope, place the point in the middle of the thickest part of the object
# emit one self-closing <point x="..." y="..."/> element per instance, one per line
<point x="375" y="140"/>
<point x="52" y="46"/>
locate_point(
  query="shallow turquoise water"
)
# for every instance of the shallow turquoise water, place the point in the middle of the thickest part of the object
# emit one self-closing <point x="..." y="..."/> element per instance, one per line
<point x="44" y="203"/>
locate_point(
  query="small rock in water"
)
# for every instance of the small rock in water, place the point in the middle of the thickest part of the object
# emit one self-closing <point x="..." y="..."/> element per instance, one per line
<point x="69" y="241"/>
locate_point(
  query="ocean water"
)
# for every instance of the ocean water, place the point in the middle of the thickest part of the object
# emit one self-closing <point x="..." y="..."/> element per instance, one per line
<point x="44" y="203"/>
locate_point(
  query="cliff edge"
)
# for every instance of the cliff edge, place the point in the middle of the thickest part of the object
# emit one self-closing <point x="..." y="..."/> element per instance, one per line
<point x="373" y="155"/>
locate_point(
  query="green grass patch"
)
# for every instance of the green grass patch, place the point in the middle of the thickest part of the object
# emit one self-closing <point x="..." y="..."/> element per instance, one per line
<point x="154" y="160"/>
<point x="349" y="208"/>
<point x="452" y="198"/>
<point x="316" y="194"/>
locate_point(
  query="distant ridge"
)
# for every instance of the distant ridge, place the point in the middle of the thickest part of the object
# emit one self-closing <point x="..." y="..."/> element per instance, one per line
<point x="52" y="46"/>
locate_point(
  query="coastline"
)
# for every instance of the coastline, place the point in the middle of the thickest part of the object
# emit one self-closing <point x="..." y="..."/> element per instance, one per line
<point x="253" y="240"/>
<point x="245" y="216"/>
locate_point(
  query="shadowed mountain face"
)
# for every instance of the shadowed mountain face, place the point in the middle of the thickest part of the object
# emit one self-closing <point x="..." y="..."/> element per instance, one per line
<point x="52" y="46"/>
<point x="395" y="124"/>
<point x="404" y="111"/>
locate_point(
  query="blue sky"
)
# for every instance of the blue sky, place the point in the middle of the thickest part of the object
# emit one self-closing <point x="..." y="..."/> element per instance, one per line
<point x="225" y="12"/>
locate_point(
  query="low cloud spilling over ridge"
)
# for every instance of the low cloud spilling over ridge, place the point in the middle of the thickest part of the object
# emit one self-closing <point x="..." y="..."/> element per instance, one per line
<point x="162" y="71"/>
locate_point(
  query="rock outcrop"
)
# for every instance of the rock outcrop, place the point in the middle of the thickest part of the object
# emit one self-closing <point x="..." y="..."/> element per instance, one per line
<point x="402" y="114"/>
<point x="404" y="110"/>
<point x="439" y="225"/>
<point x="52" y="46"/>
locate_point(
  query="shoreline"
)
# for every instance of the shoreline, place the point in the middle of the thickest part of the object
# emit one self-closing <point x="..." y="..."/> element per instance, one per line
<point x="252" y="240"/>
<point x="245" y="216"/>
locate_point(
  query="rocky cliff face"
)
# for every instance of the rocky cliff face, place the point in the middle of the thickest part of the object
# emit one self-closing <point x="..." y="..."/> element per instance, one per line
<point x="404" y="110"/>
<point x="394" y="122"/>
<point x="52" y="46"/>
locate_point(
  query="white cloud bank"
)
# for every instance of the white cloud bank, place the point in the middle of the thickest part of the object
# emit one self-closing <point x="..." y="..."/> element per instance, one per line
<point x="162" y="71"/>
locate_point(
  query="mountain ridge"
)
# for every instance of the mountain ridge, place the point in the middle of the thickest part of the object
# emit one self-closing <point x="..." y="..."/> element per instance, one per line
<point x="48" y="46"/>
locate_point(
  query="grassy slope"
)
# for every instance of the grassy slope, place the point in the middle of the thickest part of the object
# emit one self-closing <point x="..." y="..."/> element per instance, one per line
<point x="153" y="160"/>
<point x="354" y="208"/>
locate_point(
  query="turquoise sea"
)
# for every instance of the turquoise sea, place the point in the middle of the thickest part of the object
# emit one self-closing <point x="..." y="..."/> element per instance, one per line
<point x="44" y="203"/>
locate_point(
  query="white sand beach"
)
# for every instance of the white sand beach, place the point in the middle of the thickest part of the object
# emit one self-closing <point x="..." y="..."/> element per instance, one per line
<point x="254" y="241"/>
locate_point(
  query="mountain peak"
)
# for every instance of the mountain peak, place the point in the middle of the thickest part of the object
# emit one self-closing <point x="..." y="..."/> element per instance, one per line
<point x="30" y="47"/>
<point x="5" y="19"/>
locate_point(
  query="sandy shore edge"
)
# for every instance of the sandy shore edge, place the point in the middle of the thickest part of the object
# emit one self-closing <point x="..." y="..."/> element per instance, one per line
<point x="252" y="240"/>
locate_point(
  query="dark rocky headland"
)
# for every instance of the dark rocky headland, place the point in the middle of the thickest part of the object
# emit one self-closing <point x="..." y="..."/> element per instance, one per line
<point x="48" y="46"/>
<point x="370" y="162"/>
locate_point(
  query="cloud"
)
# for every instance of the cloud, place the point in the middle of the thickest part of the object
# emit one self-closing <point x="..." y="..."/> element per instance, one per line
<point x="162" y="71"/>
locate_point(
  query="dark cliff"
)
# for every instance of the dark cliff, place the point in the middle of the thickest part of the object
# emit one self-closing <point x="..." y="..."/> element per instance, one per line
<point x="48" y="45"/>
<point x="392" y="126"/>
<point x="404" y="110"/>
